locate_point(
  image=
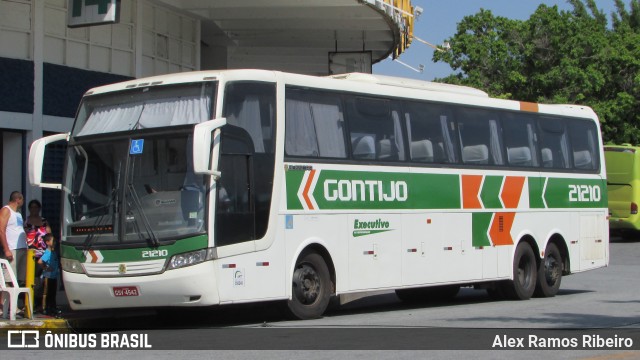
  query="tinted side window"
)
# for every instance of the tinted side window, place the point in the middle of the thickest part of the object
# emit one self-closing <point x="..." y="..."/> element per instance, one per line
<point x="519" y="133"/>
<point x="584" y="144"/>
<point x="375" y="130"/>
<point x="554" y="144"/>
<point x="430" y="132"/>
<point x="314" y="124"/>
<point x="480" y="138"/>
<point x="251" y="106"/>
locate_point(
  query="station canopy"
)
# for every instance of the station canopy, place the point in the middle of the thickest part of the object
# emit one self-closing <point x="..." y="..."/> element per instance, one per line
<point x="304" y="36"/>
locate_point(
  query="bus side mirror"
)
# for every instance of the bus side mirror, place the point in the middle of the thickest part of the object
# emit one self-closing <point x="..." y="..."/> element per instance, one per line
<point x="36" y="159"/>
<point x="204" y="160"/>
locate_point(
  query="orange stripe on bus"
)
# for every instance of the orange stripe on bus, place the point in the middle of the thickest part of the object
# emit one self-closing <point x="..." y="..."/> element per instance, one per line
<point x="470" y="190"/>
<point x="511" y="191"/>
<point x="527" y="106"/>
<point x="305" y="192"/>
<point x="500" y="230"/>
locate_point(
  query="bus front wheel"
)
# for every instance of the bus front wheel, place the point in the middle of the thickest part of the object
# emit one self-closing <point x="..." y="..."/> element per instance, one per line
<point x="549" y="272"/>
<point x="525" y="270"/>
<point x="311" y="288"/>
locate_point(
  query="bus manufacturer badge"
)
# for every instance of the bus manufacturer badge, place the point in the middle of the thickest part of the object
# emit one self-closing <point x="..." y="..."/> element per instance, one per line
<point x="238" y="278"/>
<point x="122" y="268"/>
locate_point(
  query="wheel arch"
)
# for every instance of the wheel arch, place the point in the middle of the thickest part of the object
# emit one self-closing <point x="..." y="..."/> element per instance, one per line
<point x="529" y="239"/>
<point x="320" y="249"/>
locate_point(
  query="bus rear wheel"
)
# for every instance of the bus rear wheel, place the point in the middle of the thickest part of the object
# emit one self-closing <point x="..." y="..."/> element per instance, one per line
<point x="311" y="288"/>
<point x="549" y="272"/>
<point x="525" y="272"/>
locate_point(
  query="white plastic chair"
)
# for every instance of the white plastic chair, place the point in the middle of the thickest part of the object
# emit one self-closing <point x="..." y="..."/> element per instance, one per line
<point x="10" y="300"/>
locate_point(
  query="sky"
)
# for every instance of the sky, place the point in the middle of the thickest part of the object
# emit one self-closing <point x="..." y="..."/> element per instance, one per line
<point x="439" y="22"/>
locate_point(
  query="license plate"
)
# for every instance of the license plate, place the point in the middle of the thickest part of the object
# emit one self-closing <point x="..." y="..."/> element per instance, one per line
<point x="126" y="291"/>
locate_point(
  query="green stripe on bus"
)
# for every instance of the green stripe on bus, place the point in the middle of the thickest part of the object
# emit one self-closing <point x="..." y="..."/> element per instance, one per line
<point x="535" y="193"/>
<point x="294" y="178"/>
<point x="490" y="193"/>
<point x="342" y="190"/>
<point x="136" y="254"/>
<point x="480" y="223"/>
<point x="575" y="193"/>
<point x="362" y="190"/>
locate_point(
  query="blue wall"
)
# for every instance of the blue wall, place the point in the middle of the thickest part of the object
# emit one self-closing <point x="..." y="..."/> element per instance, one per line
<point x="64" y="87"/>
<point x="16" y="85"/>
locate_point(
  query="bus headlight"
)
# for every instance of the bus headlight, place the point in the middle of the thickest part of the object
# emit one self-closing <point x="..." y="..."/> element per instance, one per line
<point x="73" y="266"/>
<point x="190" y="258"/>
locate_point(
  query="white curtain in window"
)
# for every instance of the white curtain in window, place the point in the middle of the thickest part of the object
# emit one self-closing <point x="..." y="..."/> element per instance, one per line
<point x="150" y="114"/>
<point x="247" y="116"/>
<point x="328" y="121"/>
<point x="592" y="147"/>
<point x="173" y="112"/>
<point x="564" y="147"/>
<point x="397" y="130"/>
<point x="111" y="119"/>
<point x="446" y="137"/>
<point x="301" y="133"/>
<point x="494" y="142"/>
<point x="531" y="137"/>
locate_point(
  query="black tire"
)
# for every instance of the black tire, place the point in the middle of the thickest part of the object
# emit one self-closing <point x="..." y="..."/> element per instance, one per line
<point x="311" y="288"/>
<point x="525" y="272"/>
<point x="549" y="273"/>
<point x="428" y="294"/>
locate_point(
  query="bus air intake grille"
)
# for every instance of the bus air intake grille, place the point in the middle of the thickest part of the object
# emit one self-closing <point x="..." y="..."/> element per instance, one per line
<point x="124" y="268"/>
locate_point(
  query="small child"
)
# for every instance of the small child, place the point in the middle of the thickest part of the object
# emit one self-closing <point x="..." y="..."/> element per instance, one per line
<point x="50" y="263"/>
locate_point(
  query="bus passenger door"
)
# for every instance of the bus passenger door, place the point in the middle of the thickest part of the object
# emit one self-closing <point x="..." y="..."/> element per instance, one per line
<point x="235" y="214"/>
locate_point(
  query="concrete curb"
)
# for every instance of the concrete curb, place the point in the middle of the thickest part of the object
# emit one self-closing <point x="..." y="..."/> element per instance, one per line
<point x="36" y="324"/>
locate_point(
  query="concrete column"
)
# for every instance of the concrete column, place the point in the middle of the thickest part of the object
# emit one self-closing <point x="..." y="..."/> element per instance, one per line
<point x="35" y="133"/>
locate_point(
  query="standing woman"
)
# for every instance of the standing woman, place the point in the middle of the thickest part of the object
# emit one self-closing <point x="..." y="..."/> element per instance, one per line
<point x="36" y="228"/>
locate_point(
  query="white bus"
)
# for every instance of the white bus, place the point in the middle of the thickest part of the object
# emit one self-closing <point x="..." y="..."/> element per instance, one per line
<point x="237" y="186"/>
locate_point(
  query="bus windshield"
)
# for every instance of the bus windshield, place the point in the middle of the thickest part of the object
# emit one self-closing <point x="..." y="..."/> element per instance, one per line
<point x="135" y="187"/>
<point x="144" y="108"/>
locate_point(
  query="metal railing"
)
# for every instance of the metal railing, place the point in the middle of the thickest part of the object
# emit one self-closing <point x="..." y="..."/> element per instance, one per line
<point x="403" y="15"/>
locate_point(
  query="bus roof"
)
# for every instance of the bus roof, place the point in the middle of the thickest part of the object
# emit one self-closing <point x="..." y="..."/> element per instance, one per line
<point x="378" y="84"/>
<point x="411" y="83"/>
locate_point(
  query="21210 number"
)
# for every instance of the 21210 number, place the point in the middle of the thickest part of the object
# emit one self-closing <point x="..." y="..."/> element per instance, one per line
<point x="584" y="193"/>
<point x="154" y="253"/>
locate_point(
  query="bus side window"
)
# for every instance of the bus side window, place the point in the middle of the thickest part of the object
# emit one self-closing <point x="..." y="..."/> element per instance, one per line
<point x="430" y="133"/>
<point x="520" y="140"/>
<point x="554" y="143"/>
<point x="375" y="130"/>
<point x="584" y="144"/>
<point x="314" y="124"/>
<point x="479" y="132"/>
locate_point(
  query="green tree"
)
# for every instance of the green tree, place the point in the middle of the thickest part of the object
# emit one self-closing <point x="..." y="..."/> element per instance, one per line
<point x="557" y="57"/>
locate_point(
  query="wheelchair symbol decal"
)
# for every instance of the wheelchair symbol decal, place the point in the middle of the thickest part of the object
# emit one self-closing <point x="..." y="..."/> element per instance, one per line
<point x="136" y="147"/>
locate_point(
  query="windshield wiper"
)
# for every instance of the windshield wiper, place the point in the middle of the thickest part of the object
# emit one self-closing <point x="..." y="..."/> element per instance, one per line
<point x="143" y="216"/>
<point x="98" y="223"/>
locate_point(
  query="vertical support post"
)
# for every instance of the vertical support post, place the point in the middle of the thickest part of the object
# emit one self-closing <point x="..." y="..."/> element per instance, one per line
<point x="30" y="281"/>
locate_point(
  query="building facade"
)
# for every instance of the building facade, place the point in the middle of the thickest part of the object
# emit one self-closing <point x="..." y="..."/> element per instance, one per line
<point x="46" y="67"/>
